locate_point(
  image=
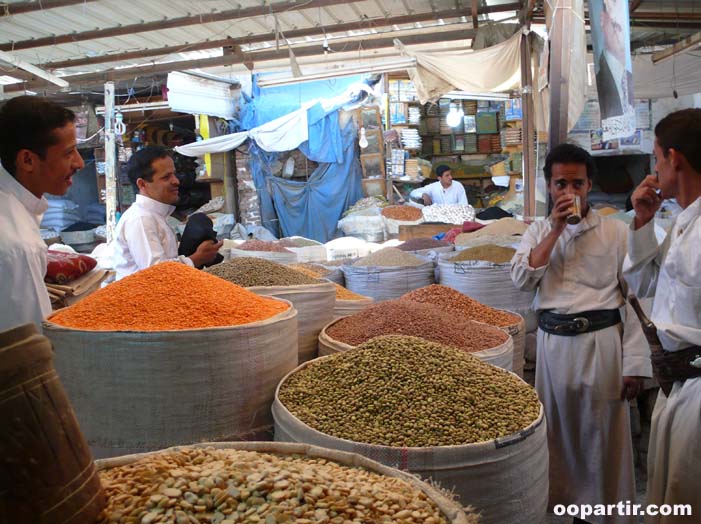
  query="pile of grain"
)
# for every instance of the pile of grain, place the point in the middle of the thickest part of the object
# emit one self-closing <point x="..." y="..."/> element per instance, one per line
<point x="503" y="226"/>
<point x="488" y="253"/>
<point x="319" y="270"/>
<point x="417" y="244"/>
<point x="341" y="292"/>
<point x="227" y="486"/>
<point x="407" y="392"/>
<point x="403" y="317"/>
<point x="389" y="257"/>
<point x="456" y="303"/>
<point x="405" y="213"/>
<point x="167" y="296"/>
<point x="251" y="271"/>
<point x="262" y="245"/>
<point x="297" y="242"/>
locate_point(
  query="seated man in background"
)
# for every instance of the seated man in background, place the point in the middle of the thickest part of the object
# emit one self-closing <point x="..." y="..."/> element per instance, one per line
<point x="444" y="191"/>
<point x="143" y="237"/>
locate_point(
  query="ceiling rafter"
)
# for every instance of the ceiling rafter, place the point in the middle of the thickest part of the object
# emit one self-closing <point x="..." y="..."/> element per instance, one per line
<point x="205" y="18"/>
<point x="232" y="59"/>
<point x="254" y="39"/>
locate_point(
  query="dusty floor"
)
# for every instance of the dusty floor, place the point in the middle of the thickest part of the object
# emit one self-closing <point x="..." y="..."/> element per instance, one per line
<point x="641" y="412"/>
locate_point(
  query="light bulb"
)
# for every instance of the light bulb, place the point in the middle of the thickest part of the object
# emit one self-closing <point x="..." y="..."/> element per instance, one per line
<point x="363" y="142"/>
<point x="453" y="118"/>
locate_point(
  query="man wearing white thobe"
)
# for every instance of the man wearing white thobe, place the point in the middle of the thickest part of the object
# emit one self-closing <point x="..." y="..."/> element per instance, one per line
<point x="38" y="153"/>
<point x="591" y="352"/>
<point x="444" y="191"/>
<point x="672" y="274"/>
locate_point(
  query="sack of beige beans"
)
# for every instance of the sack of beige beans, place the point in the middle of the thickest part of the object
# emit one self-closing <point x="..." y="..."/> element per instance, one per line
<point x="488" y="283"/>
<point x="135" y="391"/>
<point x="501" y="356"/>
<point x="387" y="274"/>
<point x="315" y="308"/>
<point x="483" y="439"/>
<point x="232" y="482"/>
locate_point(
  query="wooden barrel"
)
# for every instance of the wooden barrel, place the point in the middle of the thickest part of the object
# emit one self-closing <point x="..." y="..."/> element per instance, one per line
<point x="47" y="475"/>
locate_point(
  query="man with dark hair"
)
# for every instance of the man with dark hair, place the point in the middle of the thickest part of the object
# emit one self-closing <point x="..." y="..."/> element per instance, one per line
<point x="590" y="356"/>
<point x="672" y="274"/>
<point x="38" y="152"/>
<point x="444" y="191"/>
<point x="143" y="237"/>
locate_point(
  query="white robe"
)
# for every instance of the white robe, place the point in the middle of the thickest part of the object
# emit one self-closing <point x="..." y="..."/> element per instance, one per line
<point x="455" y="194"/>
<point x="579" y="379"/>
<point x="143" y="237"/>
<point x="672" y="273"/>
<point x="23" y="295"/>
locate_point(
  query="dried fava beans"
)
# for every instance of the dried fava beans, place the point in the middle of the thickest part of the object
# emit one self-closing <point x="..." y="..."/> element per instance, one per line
<point x="406" y="213"/>
<point x="457" y="303"/>
<point x="252" y="271"/>
<point x="489" y="253"/>
<point x="341" y="292"/>
<point x="227" y="486"/>
<point x="408" y="392"/>
<point x="389" y="257"/>
<point x="164" y="297"/>
<point x="262" y="245"/>
<point x="403" y="317"/>
<point x="417" y="244"/>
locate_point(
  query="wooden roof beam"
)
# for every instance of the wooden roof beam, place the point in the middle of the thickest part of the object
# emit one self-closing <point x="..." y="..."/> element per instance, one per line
<point x="205" y="18"/>
<point x="18" y="8"/>
<point x="231" y="59"/>
<point x="253" y="39"/>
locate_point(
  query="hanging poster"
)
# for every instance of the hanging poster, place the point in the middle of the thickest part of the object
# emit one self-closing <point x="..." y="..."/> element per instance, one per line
<point x="590" y="117"/>
<point x="610" y="30"/>
<point x="642" y="114"/>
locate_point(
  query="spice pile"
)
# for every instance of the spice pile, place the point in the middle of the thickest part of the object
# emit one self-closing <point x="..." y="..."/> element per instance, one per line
<point x="405" y="213"/>
<point x="251" y="271"/>
<point x="389" y="257"/>
<point x="227" y="486"/>
<point x="262" y="245"/>
<point x="503" y="226"/>
<point x="497" y="240"/>
<point x="488" y="253"/>
<point x="297" y="242"/>
<point x="341" y="292"/>
<point x="455" y="302"/>
<point x="407" y="392"/>
<point x="167" y="296"/>
<point x="403" y="317"/>
<point x="417" y="244"/>
<point x="320" y="271"/>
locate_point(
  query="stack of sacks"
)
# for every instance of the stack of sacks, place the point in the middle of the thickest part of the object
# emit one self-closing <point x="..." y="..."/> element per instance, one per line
<point x="62" y="213"/>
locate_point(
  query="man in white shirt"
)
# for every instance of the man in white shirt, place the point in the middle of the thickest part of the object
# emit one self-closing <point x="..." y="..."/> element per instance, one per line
<point x="444" y="191"/>
<point x="672" y="274"/>
<point x="143" y="237"/>
<point x="591" y="352"/>
<point x="38" y="152"/>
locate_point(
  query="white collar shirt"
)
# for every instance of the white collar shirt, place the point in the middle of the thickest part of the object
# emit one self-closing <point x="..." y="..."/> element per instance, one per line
<point x="22" y="256"/>
<point x="143" y="237"/>
<point x="672" y="274"/>
<point x="453" y="194"/>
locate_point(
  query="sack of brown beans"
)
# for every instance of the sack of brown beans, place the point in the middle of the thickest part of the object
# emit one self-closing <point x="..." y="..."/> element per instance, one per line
<point x="266" y="482"/>
<point x="487" y="282"/>
<point x="395" y="216"/>
<point x="461" y="305"/>
<point x="402" y="317"/>
<point x="263" y="249"/>
<point x="387" y="274"/>
<point x="432" y="410"/>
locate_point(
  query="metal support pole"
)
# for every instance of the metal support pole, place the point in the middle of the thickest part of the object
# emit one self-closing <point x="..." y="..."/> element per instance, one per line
<point x="559" y="73"/>
<point x="110" y="162"/>
<point x="528" y="131"/>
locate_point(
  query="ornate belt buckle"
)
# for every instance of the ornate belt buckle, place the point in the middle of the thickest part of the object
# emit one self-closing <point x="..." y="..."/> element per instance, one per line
<point x="581" y="324"/>
<point x="696" y="362"/>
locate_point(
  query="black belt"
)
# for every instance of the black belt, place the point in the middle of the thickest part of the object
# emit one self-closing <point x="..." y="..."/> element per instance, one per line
<point x="577" y="323"/>
<point x="676" y="366"/>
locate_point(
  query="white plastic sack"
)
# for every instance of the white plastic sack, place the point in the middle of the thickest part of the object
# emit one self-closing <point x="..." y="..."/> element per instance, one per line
<point x="518" y="335"/>
<point x="346" y="247"/>
<point x="386" y="283"/>
<point x="309" y="253"/>
<point x="370" y="228"/>
<point x="501" y="356"/>
<point x="314" y="304"/>
<point x="135" y="391"/>
<point x="488" y="283"/>
<point x="506" y="480"/>
<point x="453" y="512"/>
<point x="392" y="225"/>
<point x="274" y="256"/>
